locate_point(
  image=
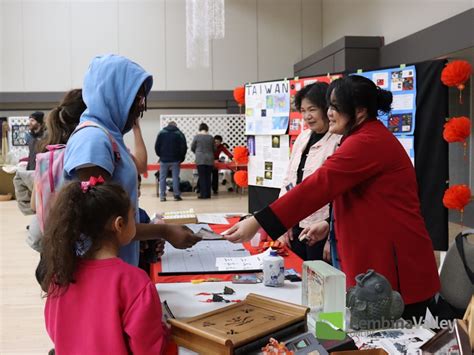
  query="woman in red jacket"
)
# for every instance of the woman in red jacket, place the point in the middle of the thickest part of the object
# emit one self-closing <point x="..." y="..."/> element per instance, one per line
<point x="372" y="184"/>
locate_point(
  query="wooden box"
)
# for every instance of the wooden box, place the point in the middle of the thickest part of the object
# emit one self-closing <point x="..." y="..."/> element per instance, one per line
<point x="180" y="217"/>
<point x="240" y="328"/>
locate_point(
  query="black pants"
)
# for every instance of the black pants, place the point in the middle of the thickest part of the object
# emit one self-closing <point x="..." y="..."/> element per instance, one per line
<point x="215" y="180"/>
<point x="204" y="173"/>
<point x="303" y="250"/>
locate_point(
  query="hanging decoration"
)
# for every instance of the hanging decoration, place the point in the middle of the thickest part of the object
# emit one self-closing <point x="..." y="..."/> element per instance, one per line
<point x="205" y="20"/>
<point x="457" y="197"/>
<point x="241" y="155"/>
<point x="455" y="74"/>
<point x="457" y="129"/>
<point x="241" y="178"/>
<point x="239" y="97"/>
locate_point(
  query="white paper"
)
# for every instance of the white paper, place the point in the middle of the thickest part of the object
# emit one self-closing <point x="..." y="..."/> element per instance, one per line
<point x="197" y="227"/>
<point x="403" y="102"/>
<point x="253" y="262"/>
<point x="211" y="218"/>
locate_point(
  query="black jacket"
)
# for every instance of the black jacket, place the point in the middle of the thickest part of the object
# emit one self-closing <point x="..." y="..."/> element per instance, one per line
<point x="170" y="145"/>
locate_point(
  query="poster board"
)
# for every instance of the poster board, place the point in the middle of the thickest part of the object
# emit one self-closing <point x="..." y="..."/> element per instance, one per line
<point x="18" y="136"/>
<point x="267" y="108"/>
<point x="268" y="159"/>
<point x="401" y="82"/>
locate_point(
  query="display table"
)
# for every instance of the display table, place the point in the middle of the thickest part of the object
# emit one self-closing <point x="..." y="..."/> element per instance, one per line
<point x="292" y="261"/>
<point x="183" y="302"/>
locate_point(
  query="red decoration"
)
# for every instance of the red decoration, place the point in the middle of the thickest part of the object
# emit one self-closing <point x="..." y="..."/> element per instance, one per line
<point x="241" y="178"/>
<point x="239" y="95"/>
<point x="241" y="155"/>
<point x="455" y="74"/>
<point x="457" y="129"/>
<point x="457" y="197"/>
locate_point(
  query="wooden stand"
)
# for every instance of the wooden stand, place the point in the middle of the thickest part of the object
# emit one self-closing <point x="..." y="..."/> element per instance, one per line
<point x="239" y="327"/>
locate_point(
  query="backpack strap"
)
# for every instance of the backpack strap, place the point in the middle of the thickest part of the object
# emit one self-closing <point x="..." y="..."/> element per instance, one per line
<point x="460" y="245"/>
<point x="115" y="147"/>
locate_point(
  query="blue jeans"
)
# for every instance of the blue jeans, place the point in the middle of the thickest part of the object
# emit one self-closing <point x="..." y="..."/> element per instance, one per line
<point x="164" y="167"/>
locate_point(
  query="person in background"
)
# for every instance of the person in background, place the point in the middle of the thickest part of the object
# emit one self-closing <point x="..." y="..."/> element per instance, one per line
<point x="203" y="147"/>
<point x="171" y="148"/>
<point x="23" y="179"/>
<point x="312" y="147"/>
<point x="36" y="133"/>
<point x="96" y="303"/>
<point x="372" y="184"/>
<point x="219" y="148"/>
<point x="115" y="91"/>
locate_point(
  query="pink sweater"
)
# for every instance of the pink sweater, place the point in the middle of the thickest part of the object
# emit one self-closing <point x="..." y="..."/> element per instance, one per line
<point x="112" y="308"/>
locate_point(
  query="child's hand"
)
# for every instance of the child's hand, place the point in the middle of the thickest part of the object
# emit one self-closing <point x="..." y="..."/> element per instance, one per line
<point x="181" y="237"/>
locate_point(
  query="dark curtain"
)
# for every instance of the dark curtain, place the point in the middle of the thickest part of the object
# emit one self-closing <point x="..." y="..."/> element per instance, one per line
<point x="431" y="150"/>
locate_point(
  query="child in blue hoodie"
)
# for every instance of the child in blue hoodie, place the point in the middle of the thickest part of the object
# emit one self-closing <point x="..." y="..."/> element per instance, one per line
<point x="115" y="91"/>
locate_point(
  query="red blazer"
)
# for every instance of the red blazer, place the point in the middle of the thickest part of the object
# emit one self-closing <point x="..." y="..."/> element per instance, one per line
<point x="377" y="217"/>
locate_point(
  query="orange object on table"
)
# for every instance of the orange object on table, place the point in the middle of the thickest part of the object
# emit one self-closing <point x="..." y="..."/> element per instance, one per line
<point x="292" y="261"/>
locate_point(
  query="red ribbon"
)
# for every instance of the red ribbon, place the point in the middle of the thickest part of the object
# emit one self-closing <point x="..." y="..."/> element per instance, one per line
<point x="93" y="181"/>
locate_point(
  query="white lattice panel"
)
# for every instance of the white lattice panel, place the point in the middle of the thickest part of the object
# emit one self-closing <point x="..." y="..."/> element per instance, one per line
<point x="230" y="127"/>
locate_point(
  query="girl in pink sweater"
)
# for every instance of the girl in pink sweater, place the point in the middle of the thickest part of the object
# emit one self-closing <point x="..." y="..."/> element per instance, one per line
<point x="96" y="303"/>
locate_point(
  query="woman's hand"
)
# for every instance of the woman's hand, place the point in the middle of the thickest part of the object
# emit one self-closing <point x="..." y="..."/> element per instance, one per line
<point x="315" y="232"/>
<point x="327" y="251"/>
<point x="287" y="238"/>
<point x="242" y="231"/>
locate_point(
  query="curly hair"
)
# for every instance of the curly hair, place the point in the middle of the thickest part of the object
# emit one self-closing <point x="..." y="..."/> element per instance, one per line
<point x="63" y="119"/>
<point x="77" y="215"/>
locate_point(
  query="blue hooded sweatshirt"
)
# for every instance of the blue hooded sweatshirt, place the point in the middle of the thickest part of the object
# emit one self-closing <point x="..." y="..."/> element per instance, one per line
<point x="110" y="87"/>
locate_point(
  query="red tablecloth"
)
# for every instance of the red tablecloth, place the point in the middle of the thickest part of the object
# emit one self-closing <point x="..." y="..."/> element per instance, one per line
<point x="292" y="261"/>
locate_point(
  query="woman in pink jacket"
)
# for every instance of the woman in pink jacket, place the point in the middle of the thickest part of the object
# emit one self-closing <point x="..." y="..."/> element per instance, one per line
<point x="311" y="149"/>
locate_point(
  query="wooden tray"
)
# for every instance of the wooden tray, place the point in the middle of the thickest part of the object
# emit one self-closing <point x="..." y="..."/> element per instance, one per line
<point x="224" y="330"/>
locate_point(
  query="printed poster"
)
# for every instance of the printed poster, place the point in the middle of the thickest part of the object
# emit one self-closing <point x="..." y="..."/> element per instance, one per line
<point x="268" y="160"/>
<point x="402" y="83"/>
<point x="297" y="124"/>
<point x="267" y="108"/>
<point x="408" y="143"/>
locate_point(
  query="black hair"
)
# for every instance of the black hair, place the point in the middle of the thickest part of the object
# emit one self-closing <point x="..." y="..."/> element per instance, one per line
<point x="355" y="91"/>
<point x="316" y="93"/>
<point x="218" y="137"/>
<point x="204" y="127"/>
<point x="77" y="215"/>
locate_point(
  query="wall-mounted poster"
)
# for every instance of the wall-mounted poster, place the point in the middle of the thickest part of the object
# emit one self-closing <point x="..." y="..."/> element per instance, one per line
<point x="267" y="167"/>
<point x="402" y="83"/>
<point x="18" y="136"/>
<point x="296" y="120"/>
<point x="267" y="107"/>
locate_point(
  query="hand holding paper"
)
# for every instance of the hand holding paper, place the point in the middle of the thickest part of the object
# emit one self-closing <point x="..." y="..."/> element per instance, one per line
<point x="242" y="231"/>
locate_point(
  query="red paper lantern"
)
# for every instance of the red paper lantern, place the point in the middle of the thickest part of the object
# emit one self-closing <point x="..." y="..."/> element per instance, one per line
<point x="457" y="129"/>
<point x="457" y="197"/>
<point x="241" y="178"/>
<point x="239" y="95"/>
<point x="241" y="155"/>
<point x="455" y="74"/>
